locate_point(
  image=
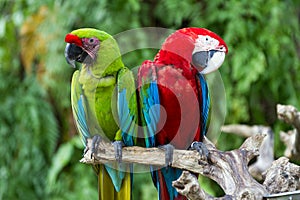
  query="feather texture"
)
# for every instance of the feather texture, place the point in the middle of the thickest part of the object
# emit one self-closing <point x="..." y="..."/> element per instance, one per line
<point x="79" y="109"/>
<point x="183" y="112"/>
<point x="127" y="107"/>
<point x="205" y="103"/>
<point x="149" y="102"/>
<point x="104" y="103"/>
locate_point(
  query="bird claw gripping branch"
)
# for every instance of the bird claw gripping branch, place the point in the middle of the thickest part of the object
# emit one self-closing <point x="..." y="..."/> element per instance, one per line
<point x="95" y="144"/>
<point x="118" y="150"/>
<point x="169" y="150"/>
<point x="201" y="148"/>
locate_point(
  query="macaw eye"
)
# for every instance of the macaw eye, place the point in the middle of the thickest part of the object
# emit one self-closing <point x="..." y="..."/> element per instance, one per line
<point x="222" y="48"/>
<point x="91" y="40"/>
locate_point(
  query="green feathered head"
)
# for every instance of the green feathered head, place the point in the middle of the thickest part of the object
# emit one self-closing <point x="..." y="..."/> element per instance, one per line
<point x="93" y="48"/>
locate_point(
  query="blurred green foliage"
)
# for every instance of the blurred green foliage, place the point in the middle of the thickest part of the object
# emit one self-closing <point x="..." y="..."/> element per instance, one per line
<point x="39" y="147"/>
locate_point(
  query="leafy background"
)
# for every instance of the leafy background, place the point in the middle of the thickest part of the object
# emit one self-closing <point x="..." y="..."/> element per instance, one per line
<point x="39" y="146"/>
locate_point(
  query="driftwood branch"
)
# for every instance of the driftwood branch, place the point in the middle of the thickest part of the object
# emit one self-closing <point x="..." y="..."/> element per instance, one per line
<point x="280" y="178"/>
<point x="287" y="176"/>
<point x="182" y="159"/>
<point x="244" y="130"/>
<point x="229" y="169"/>
<point x="266" y="150"/>
<point x="290" y="115"/>
<point x="287" y="113"/>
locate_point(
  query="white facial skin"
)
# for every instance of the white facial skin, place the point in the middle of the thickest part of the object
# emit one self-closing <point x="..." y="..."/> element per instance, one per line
<point x="214" y="63"/>
<point x="207" y="43"/>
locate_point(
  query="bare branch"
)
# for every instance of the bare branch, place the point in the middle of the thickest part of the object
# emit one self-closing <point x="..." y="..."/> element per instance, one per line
<point x="289" y="139"/>
<point x="266" y="151"/>
<point x="188" y="185"/>
<point x="228" y="169"/>
<point x="243" y="130"/>
<point x="282" y="176"/>
<point x="290" y="115"/>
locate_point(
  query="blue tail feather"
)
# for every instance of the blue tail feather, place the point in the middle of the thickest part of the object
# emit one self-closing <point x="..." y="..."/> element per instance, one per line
<point x="168" y="176"/>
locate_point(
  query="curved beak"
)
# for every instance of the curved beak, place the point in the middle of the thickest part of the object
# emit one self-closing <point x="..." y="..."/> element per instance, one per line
<point x="208" y="61"/>
<point x="74" y="53"/>
<point x="70" y="60"/>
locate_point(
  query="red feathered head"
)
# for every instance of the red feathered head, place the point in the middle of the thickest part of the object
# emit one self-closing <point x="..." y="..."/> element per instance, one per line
<point x="202" y="48"/>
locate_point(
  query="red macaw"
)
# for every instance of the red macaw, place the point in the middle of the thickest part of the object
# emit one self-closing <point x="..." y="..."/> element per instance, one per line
<point x="174" y="96"/>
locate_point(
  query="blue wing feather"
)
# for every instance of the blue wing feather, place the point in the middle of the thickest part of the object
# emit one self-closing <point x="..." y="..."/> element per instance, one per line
<point x="127" y="107"/>
<point x="116" y="171"/>
<point x="149" y="101"/>
<point x="126" y="121"/>
<point x="81" y="120"/>
<point x="79" y="109"/>
<point x="150" y="111"/>
<point x="205" y="103"/>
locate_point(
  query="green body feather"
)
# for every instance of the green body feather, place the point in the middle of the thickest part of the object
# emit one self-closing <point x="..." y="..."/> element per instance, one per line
<point x="98" y="85"/>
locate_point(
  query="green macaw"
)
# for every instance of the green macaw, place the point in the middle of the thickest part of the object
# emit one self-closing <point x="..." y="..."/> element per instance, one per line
<point x="104" y="103"/>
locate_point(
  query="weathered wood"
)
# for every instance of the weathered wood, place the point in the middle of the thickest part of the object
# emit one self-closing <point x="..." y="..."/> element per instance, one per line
<point x="290" y="115"/>
<point x="228" y="169"/>
<point x="266" y="151"/>
<point x="188" y="185"/>
<point x="183" y="159"/>
<point x="282" y="176"/>
<point x="243" y="130"/>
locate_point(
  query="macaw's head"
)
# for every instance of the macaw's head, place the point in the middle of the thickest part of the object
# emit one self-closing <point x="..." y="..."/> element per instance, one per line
<point x="203" y="49"/>
<point x="84" y="46"/>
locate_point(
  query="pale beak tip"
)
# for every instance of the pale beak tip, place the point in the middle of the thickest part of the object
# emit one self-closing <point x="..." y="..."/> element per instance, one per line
<point x="72" y="63"/>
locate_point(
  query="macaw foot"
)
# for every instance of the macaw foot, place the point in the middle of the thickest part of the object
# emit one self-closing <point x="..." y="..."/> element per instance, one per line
<point x="169" y="150"/>
<point x="95" y="144"/>
<point x="118" y="150"/>
<point x="202" y="150"/>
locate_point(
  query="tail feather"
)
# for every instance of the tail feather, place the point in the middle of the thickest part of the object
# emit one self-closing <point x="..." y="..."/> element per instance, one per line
<point x="163" y="179"/>
<point x="106" y="187"/>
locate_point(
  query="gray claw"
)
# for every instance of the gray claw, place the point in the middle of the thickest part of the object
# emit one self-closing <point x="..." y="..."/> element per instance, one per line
<point x="168" y="154"/>
<point x="118" y="150"/>
<point x="85" y="150"/>
<point x="95" y="143"/>
<point x="201" y="148"/>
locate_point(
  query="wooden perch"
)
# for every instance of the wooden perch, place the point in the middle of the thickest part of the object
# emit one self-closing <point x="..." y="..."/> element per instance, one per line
<point x="183" y="159"/>
<point x="282" y="176"/>
<point x="228" y="169"/>
<point x="290" y="115"/>
<point x="266" y="151"/>
<point x="244" y="130"/>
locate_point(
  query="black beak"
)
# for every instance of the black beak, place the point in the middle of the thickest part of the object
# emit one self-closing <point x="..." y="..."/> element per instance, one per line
<point x="74" y="53"/>
<point x="200" y="59"/>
